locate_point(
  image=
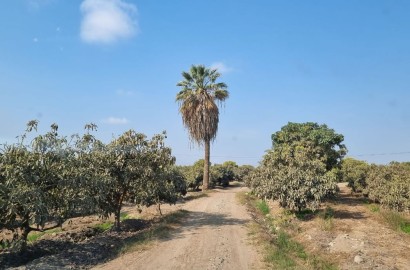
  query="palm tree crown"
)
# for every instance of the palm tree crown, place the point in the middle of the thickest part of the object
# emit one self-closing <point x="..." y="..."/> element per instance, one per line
<point x="200" y="113"/>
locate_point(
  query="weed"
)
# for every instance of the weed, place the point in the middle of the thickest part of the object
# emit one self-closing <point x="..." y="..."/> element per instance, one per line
<point x="375" y="208"/>
<point x="396" y="221"/>
<point x="124" y="216"/>
<point x="263" y="207"/>
<point x="405" y="227"/>
<point x="102" y="227"/>
<point x="4" y="244"/>
<point x="160" y="230"/>
<point x="34" y="236"/>
<point x="327" y="218"/>
<point x="282" y="252"/>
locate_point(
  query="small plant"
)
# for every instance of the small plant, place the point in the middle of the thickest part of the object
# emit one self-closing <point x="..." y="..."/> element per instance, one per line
<point x="396" y="221"/>
<point x="34" y="236"/>
<point x="282" y="252"/>
<point x="327" y="218"/>
<point x="4" y="244"/>
<point x="102" y="227"/>
<point x="124" y="216"/>
<point x="263" y="207"/>
<point x="374" y="207"/>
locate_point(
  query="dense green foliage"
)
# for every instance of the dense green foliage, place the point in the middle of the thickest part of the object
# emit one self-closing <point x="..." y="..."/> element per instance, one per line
<point x="388" y="185"/>
<point x="355" y="173"/>
<point x="299" y="170"/>
<point x="220" y="174"/>
<point x="53" y="178"/>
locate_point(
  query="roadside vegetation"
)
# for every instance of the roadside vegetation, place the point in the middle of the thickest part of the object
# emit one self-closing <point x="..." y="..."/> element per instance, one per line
<point x="275" y="233"/>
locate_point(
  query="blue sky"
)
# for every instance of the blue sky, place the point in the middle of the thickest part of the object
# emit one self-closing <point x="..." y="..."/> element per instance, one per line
<point x="116" y="63"/>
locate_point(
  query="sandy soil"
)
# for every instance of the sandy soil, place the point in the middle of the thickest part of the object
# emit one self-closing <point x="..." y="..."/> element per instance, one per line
<point x="359" y="239"/>
<point x="214" y="236"/>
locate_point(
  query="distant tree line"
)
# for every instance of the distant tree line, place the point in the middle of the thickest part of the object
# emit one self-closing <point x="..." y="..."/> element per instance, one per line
<point x="388" y="185"/>
<point x="220" y="174"/>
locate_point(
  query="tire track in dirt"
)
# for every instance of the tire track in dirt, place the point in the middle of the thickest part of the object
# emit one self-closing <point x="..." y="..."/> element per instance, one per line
<point x="213" y="236"/>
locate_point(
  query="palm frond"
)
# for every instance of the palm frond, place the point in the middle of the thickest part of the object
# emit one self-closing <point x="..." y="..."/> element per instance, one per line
<point x="200" y="91"/>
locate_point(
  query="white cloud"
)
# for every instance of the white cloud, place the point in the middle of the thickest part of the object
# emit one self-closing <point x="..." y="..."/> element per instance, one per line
<point x="221" y="67"/>
<point x="125" y="93"/>
<point x="116" y="121"/>
<point x="106" y="21"/>
<point x="35" y="5"/>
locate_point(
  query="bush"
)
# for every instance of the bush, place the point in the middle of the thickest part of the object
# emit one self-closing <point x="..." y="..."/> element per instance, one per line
<point x="389" y="185"/>
<point x="299" y="170"/>
<point x="355" y="173"/>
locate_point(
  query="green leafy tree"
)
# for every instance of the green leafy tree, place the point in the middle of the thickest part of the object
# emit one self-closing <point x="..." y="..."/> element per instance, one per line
<point x="355" y="173"/>
<point x="389" y="185"/>
<point x="224" y="173"/>
<point x="194" y="174"/>
<point x="200" y="113"/>
<point x="324" y="141"/>
<point x="133" y="169"/>
<point x="298" y="170"/>
<point x="39" y="185"/>
<point x="244" y="171"/>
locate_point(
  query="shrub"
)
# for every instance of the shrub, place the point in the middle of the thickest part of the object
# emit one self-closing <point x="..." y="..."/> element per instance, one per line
<point x="389" y="185"/>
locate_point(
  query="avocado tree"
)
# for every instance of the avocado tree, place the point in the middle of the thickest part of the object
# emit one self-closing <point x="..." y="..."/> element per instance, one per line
<point x="355" y="173"/>
<point x="39" y="184"/>
<point x="389" y="185"/>
<point x="133" y="169"/>
<point x="298" y="170"/>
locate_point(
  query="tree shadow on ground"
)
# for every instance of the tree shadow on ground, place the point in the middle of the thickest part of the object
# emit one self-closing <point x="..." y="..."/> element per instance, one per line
<point x="58" y="254"/>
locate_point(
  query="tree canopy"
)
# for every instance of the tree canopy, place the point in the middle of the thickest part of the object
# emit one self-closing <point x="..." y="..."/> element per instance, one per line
<point x="298" y="170"/>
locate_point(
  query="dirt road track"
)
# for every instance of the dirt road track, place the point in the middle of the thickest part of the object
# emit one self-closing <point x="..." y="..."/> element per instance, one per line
<point x="214" y="236"/>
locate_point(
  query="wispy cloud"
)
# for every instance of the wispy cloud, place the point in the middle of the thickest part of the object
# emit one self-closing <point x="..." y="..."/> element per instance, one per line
<point x="35" y="5"/>
<point x="221" y="67"/>
<point x="115" y="121"/>
<point x="35" y="40"/>
<point x="107" y="21"/>
<point x="124" y="93"/>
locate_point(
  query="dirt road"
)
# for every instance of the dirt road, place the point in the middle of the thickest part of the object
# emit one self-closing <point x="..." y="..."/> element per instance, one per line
<point x="214" y="236"/>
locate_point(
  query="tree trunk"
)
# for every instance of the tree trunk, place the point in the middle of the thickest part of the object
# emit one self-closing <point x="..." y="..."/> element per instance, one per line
<point x="22" y="239"/>
<point x="205" y="182"/>
<point x="117" y="222"/>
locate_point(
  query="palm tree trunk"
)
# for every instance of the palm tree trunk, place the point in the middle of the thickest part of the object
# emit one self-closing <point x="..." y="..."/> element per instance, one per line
<point x="205" y="183"/>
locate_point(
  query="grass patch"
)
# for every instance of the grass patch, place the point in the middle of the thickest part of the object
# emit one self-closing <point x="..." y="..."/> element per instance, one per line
<point x="285" y="246"/>
<point x="396" y="221"/>
<point x="34" y="236"/>
<point x="281" y="250"/>
<point x="102" y="227"/>
<point x="263" y="207"/>
<point x="327" y="216"/>
<point x="124" y="216"/>
<point x="160" y="230"/>
<point x="375" y="208"/>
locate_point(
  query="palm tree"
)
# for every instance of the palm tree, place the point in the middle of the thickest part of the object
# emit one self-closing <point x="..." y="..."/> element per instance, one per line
<point x="200" y="113"/>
